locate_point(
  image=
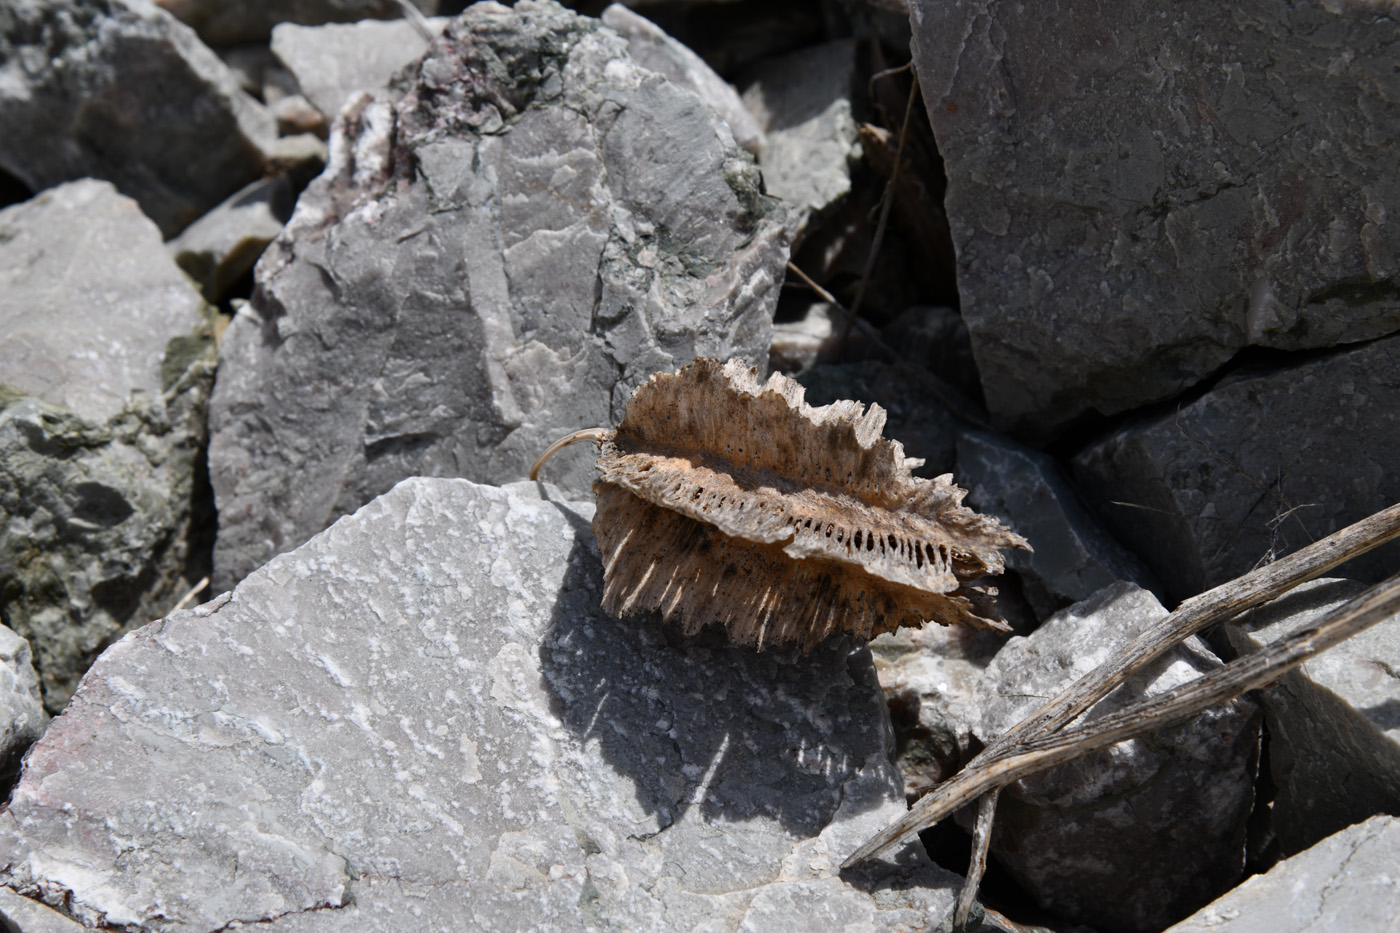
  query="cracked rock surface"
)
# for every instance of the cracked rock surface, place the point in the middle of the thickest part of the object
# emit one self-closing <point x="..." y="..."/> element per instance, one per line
<point x="106" y="360"/>
<point x="1333" y="723"/>
<point x="1134" y="836"/>
<point x="118" y="89"/>
<point x="505" y="244"/>
<point x="1265" y="462"/>
<point x="1138" y="190"/>
<point x="420" y="720"/>
<point x="1345" y="882"/>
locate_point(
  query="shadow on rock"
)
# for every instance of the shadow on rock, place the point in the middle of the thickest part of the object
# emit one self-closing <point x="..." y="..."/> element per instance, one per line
<point x="696" y="721"/>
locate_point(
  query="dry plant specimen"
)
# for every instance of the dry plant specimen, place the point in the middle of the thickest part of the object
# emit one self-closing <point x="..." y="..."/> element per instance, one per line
<point x="725" y="500"/>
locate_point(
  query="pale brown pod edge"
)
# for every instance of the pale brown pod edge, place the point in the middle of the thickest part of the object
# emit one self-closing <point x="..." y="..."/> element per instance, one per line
<point x="725" y="500"/>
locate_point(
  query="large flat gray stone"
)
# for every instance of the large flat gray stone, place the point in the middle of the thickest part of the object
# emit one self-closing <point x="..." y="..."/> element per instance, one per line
<point x="477" y="274"/>
<point x="122" y="91"/>
<point x="1135" y="836"/>
<point x="106" y="362"/>
<point x="1265" y="462"/>
<point x="1139" y="189"/>
<point x="221" y="23"/>
<point x="1333" y="723"/>
<point x="421" y="720"/>
<point x="1345" y="882"/>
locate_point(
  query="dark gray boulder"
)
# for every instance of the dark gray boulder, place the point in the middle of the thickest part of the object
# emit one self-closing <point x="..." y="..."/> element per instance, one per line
<point x="107" y="357"/>
<point x="1266" y="461"/>
<point x="119" y="90"/>
<point x="420" y="719"/>
<point x="1333" y="723"/>
<point x="1137" y="835"/>
<point x="1138" y="190"/>
<point x="1074" y="556"/>
<point x="503" y="247"/>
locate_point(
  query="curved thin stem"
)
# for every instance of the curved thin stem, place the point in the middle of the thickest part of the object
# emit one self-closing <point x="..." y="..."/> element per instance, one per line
<point x="587" y="434"/>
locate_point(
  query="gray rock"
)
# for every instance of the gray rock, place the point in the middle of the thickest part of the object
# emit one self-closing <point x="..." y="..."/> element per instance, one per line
<point x="930" y="677"/>
<point x="802" y="102"/>
<point x="22" y="915"/>
<point x="122" y="91"/>
<point x="915" y="418"/>
<point x="1074" y="556"/>
<point x="107" y="356"/>
<point x="475" y="276"/>
<point x="22" y="716"/>
<point x="220" y="248"/>
<point x="1345" y="882"/>
<point x="651" y="48"/>
<point x="420" y="719"/>
<point x="1137" y="835"/>
<point x="1333" y="723"/>
<point x="1138" y="191"/>
<point x="220" y="23"/>
<point x="1265" y="462"/>
<point x="332" y="62"/>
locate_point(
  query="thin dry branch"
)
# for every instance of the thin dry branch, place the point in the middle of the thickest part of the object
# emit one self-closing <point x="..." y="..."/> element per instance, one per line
<point x="1036" y="742"/>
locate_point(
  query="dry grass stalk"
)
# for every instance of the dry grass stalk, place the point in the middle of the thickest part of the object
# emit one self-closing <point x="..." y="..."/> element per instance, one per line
<point x="725" y="500"/>
<point x="1038" y="742"/>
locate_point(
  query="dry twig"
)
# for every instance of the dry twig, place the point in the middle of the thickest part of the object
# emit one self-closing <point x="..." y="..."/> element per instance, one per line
<point x="1037" y="743"/>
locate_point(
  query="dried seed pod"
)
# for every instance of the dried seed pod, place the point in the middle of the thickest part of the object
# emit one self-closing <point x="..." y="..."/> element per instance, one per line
<point x="723" y="500"/>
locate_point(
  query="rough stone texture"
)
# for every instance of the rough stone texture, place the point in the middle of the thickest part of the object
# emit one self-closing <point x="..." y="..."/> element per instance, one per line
<point x="502" y="249"/>
<point x="1137" y="835"/>
<point x="22" y="716"/>
<point x="220" y="248"/>
<point x="802" y="102"/>
<point x="332" y="62"/>
<point x="1334" y="723"/>
<point x="1346" y="882"/>
<point x="422" y="713"/>
<point x="914" y="418"/>
<point x="220" y="22"/>
<point x="930" y="677"/>
<point x="26" y="916"/>
<point x="652" y="49"/>
<point x="1265" y="462"/>
<point x="107" y="357"/>
<point x="1074" y="556"/>
<point x="1137" y="190"/>
<point x="122" y="91"/>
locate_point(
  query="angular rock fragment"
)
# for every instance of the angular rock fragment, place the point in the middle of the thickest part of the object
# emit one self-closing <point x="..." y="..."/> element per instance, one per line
<point x="802" y="102"/>
<point x="650" y="47"/>
<point x="930" y="677"/>
<point x="1137" y="835"/>
<point x="220" y="248"/>
<point x="121" y="91"/>
<point x="421" y="719"/>
<point x="220" y="23"/>
<point x="1139" y="190"/>
<point x="1333" y="723"/>
<point x="504" y="246"/>
<point x="22" y="716"/>
<point x="1074" y="556"/>
<point x="1267" y="461"/>
<point x="106" y="357"/>
<point x="1345" y="882"/>
<point x="333" y="61"/>
<point x="28" y="916"/>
